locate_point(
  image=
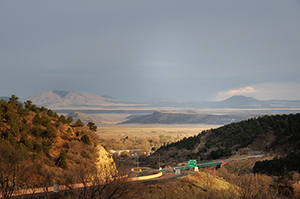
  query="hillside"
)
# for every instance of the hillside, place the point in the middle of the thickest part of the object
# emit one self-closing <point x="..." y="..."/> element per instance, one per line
<point x="63" y="99"/>
<point x="38" y="148"/>
<point x="278" y="135"/>
<point x="168" y="117"/>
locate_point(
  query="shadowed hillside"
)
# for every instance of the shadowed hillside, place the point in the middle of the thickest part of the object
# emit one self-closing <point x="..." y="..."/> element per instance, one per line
<point x="164" y="117"/>
<point x="278" y="134"/>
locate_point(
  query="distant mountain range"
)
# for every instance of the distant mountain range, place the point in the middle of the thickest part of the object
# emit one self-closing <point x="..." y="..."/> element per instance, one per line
<point x="69" y="99"/>
<point x="61" y="99"/>
<point x="86" y="118"/>
<point x="237" y="101"/>
<point x="81" y="105"/>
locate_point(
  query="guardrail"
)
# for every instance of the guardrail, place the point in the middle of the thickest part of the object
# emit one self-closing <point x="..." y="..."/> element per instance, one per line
<point x="215" y="163"/>
<point x="188" y="167"/>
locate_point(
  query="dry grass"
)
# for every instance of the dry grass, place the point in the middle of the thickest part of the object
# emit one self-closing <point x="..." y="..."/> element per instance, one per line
<point x="148" y="130"/>
<point x="142" y="136"/>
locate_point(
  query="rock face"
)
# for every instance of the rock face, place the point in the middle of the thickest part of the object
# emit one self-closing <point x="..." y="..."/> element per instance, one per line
<point x="105" y="164"/>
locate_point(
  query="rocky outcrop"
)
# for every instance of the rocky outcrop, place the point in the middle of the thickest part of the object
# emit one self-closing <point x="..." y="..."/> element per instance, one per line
<point x="105" y="164"/>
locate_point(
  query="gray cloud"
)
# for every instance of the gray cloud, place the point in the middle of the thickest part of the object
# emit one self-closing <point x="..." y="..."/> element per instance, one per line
<point x="142" y="49"/>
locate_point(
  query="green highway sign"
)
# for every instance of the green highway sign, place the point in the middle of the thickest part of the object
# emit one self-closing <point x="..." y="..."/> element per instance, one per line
<point x="192" y="163"/>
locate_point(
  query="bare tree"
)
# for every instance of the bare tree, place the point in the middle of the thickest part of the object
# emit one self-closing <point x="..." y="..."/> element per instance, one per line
<point x="11" y="166"/>
<point x="94" y="184"/>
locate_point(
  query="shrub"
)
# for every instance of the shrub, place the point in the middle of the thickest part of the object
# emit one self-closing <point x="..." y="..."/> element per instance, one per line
<point x="36" y="130"/>
<point x="26" y="142"/>
<point x="62" y="159"/>
<point x="45" y="121"/>
<point x="50" y="133"/>
<point x="36" y="145"/>
<point x="47" y="145"/>
<point x="92" y="126"/>
<point x="86" y="139"/>
<point x="37" y="119"/>
<point x="69" y="119"/>
<point x="50" y="113"/>
<point x="78" y="123"/>
<point x="63" y="119"/>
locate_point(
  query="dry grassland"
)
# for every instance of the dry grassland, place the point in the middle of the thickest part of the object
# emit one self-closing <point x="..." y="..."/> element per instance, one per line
<point x="149" y="130"/>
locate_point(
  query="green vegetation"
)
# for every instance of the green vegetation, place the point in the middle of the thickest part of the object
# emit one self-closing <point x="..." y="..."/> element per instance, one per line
<point x="186" y="143"/>
<point x="61" y="161"/>
<point x="92" y="126"/>
<point x="38" y="148"/>
<point x="278" y="166"/>
<point x="78" y="123"/>
<point x="280" y="134"/>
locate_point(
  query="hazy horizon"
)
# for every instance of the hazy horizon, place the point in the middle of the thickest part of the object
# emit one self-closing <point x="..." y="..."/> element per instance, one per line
<point x="139" y="50"/>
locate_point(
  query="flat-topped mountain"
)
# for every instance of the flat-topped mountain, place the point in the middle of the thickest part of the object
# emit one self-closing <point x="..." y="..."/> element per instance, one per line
<point x="236" y="101"/>
<point x="169" y="117"/>
<point x="240" y="101"/>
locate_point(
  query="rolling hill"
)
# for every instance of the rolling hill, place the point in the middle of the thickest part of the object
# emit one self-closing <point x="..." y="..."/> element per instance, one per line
<point x="63" y="99"/>
<point x="276" y="134"/>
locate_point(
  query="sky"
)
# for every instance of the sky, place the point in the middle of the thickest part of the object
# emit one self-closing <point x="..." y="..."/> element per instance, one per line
<point x="137" y="49"/>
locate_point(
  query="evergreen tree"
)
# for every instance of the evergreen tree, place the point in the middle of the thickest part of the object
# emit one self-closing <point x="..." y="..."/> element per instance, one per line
<point x="92" y="126"/>
<point x="62" y="159"/>
<point x="78" y="123"/>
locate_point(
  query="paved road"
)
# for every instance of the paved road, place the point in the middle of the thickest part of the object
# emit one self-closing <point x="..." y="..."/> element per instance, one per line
<point x="170" y="175"/>
<point x="167" y="176"/>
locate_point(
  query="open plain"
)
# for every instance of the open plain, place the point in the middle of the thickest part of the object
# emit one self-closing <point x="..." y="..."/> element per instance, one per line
<point x="178" y="131"/>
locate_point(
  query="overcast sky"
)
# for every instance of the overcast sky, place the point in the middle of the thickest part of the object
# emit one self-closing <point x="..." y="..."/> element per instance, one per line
<point x="138" y="49"/>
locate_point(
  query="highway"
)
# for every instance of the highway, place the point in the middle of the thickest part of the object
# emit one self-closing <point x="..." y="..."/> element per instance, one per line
<point x="252" y="154"/>
<point x="169" y="173"/>
<point x="163" y="175"/>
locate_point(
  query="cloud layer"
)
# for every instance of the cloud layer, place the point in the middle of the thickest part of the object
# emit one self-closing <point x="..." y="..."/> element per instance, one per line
<point x="137" y="50"/>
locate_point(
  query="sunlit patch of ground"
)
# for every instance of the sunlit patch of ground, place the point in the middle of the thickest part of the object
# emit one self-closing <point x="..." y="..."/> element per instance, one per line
<point x="146" y="130"/>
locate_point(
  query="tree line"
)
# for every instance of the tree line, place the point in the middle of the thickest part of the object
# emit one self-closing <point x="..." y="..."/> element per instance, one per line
<point x="226" y="140"/>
